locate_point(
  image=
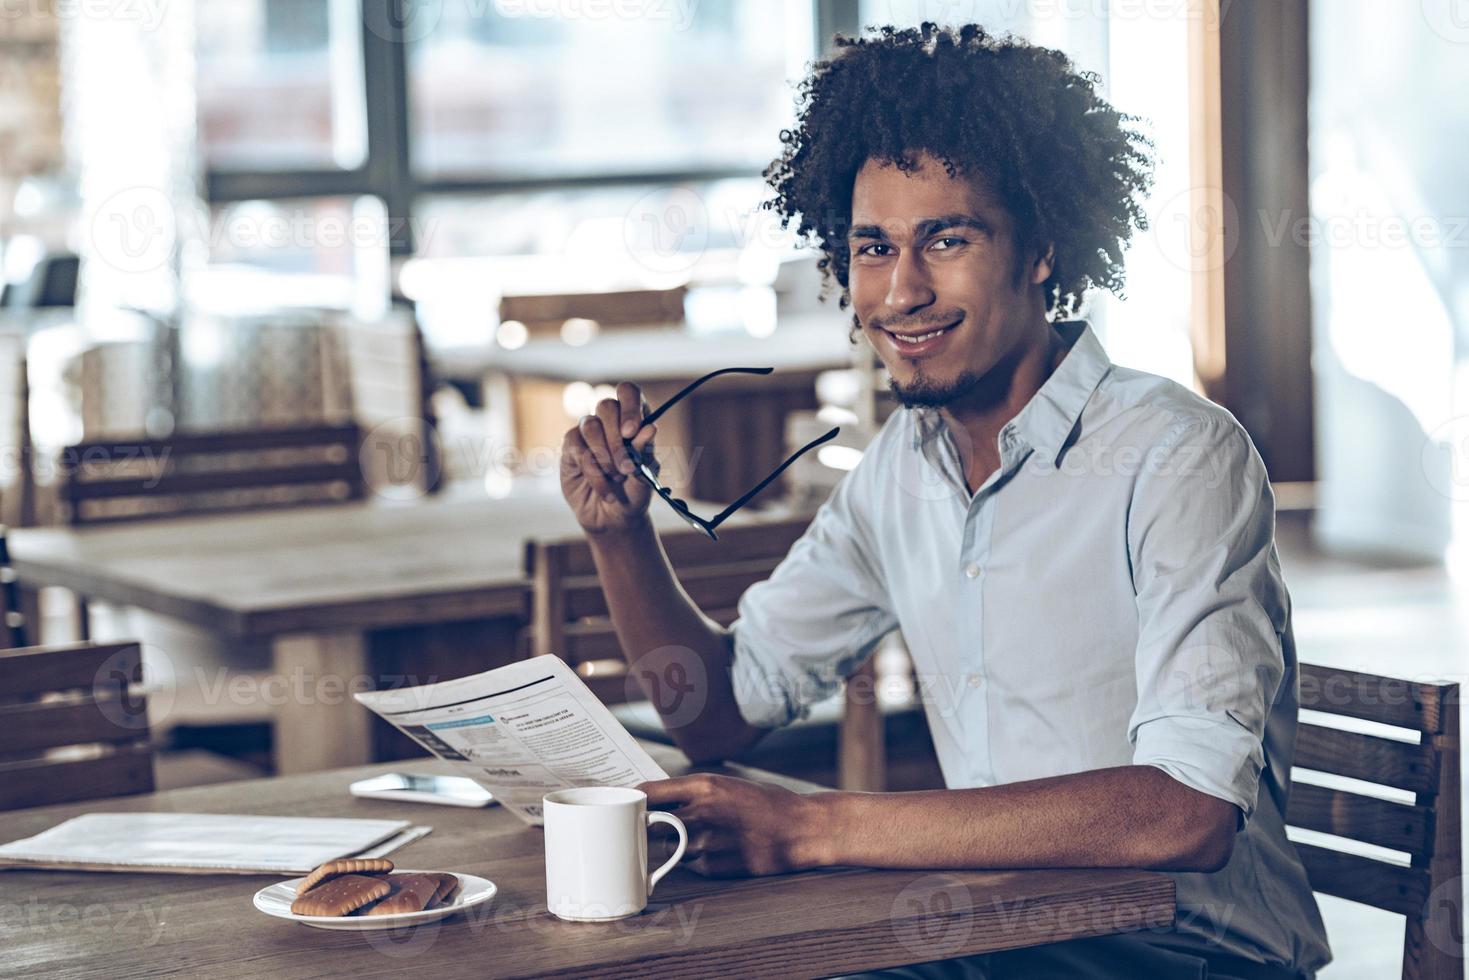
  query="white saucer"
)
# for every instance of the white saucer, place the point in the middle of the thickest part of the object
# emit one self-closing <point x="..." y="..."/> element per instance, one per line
<point x="276" y="900"/>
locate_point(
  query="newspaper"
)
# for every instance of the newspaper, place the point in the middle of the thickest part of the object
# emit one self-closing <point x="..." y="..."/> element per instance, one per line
<point x="520" y="731"/>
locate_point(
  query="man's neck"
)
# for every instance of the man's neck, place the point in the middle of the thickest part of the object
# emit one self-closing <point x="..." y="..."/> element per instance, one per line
<point x="976" y="420"/>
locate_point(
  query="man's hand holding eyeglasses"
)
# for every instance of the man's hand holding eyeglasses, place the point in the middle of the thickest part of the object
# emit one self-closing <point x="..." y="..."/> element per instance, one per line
<point x="596" y="470"/>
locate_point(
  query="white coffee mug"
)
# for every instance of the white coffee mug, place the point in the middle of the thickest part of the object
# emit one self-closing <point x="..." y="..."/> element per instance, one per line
<point x="597" y="852"/>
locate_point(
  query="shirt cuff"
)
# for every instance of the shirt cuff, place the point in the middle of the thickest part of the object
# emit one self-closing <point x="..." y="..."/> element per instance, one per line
<point x="1217" y="756"/>
<point x="763" y="696"/>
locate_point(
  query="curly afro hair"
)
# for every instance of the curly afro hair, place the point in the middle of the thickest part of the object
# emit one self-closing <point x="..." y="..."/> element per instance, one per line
<point x="1071" y="169"/>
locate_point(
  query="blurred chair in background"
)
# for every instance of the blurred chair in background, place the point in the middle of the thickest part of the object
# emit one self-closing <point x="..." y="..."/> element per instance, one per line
<point x="122" y="479"/>
<point x="547" y="315"/>
<point x="12" y="619"/>
<point x="17" y="475"/>
<point x="391" y="387"/>
<point x="73" y="725"/>
<point x="51" y="282"/>
<point x="569" y="618"/>
<point x="1429" y="889"/>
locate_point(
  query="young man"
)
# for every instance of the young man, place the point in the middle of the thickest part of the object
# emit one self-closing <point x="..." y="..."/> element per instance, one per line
<point x="1080" y="556"/>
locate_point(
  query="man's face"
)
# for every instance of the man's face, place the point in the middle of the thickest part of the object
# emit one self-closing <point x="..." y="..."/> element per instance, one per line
<point x="932" y="254"/>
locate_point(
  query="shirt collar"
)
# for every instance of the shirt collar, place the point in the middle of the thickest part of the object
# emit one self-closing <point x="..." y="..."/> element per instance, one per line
<point x="1048" y="419"/>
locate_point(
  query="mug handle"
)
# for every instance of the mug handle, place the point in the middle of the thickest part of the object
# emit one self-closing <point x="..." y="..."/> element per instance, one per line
<point x="658" y="816"/>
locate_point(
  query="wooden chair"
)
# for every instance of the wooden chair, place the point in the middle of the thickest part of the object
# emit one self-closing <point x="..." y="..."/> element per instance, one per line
<point x="129" y="479"/>
<point x="71" y="725"/>
<point x="543" y="315"/>
<point x="17" y="475"/>
<point x="391" y="387"/>
<point x="569" y="618"/>
<point x="1429" y="889"/>
<point x="12" y="617"/>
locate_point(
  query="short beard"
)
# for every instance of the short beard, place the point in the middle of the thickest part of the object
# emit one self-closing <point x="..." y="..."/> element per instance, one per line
<point x="926" y="393"/>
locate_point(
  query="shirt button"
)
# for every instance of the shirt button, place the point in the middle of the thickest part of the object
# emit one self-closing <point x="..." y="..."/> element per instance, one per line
<point x="975" y="681"/>
<point x="971" y="570"/>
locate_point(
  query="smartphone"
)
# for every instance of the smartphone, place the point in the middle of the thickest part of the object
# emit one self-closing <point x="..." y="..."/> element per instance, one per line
<point x="448" y="790"/>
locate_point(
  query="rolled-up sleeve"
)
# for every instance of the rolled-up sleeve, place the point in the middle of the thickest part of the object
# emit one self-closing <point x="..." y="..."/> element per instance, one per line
<point x="1212" y="608"/>
<point x="816" y="618"/>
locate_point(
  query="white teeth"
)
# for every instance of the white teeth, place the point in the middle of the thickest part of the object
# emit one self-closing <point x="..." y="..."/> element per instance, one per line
<point x="920" y="338"/>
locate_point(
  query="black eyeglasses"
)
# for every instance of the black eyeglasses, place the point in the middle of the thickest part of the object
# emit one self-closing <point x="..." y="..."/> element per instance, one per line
<point x="647" y="469"/>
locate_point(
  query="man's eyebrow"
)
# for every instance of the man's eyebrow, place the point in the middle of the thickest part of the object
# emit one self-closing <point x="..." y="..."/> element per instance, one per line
<point x="924" y="227"/>
<point x="927" y="226"/>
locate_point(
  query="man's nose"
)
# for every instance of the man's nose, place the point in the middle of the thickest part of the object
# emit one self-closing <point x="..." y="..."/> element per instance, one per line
<point x="909" y="289"/>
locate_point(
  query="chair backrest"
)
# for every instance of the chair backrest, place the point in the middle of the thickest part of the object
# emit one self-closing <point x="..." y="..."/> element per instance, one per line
<point x="569" y="612"/>
<point x="12" y="620"/>
<point x="17" y="475"/>
<point x="128" y="479"/>
<point x="1428" y="888"/>
<point x="544" y="315"/>
<point x="72" y="724"/>
<point x="390" y="384"/>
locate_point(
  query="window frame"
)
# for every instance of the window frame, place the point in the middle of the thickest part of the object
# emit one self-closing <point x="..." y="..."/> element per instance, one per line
<point x="387" y="173"/>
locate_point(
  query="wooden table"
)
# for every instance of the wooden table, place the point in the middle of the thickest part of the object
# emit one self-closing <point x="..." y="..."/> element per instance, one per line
<point x="315" y="582"/>
<point x="736" y="425"/>
<point x="812" y="924"/>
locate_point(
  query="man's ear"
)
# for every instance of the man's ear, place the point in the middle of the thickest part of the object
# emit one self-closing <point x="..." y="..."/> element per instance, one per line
<point x="1043" y="266"/>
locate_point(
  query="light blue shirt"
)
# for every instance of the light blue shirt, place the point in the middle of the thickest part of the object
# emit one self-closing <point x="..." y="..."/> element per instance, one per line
<point x="1111" y="595"/>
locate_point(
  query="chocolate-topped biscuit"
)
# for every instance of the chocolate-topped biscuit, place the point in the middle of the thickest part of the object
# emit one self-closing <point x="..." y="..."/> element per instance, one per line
<point x="448" y="885"/>
<point x="341" y="896"/>
<point x="343" y="866"/>
<point x="410" y="893"/>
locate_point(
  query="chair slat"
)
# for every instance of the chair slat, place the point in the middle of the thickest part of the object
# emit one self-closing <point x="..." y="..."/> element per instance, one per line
<point x="120" y="773"/>
<point x="244" y="479"/>
<point x="231" y="441"/>
<point x="1366" y="880"/>
<point x="714" y="586"/>
<point x="1402" y="765"/>
<point x="38" y="670"/>
<point x="1389" y="700"/>
<point x="742" y="542"/>
<point x="1385" y="823"/>
<point x="48" y="725"/>
<point x="184" y="475"/>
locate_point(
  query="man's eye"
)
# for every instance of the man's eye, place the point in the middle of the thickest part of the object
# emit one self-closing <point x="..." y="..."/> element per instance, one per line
<point x="948" y="241"/>
<point x="873" y="249"/>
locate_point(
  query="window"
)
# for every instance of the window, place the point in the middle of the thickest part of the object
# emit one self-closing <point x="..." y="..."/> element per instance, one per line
<point x="280" y="84"/>
<point x="531" y="90"/>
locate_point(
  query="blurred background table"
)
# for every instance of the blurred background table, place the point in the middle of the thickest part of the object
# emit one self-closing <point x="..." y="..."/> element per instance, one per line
<point x="360" y="592"/>
<point x="736" y="425"/>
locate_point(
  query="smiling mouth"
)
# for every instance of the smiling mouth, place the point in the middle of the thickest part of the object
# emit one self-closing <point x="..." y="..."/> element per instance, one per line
<point x="915" y="339"/>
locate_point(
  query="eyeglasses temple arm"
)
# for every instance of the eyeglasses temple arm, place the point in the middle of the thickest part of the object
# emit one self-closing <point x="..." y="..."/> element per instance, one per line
<point x="744" y="499"/>
<point x="652" y="416"/>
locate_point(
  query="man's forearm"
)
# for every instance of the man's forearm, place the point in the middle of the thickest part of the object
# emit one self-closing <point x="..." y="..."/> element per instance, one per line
<point x="1129" y="816"/>
<point x="679" y="655"/>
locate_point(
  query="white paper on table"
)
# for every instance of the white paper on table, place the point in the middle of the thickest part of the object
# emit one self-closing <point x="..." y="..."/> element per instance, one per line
<point x="236" y="843"/>
<point x="520" y="731"/>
